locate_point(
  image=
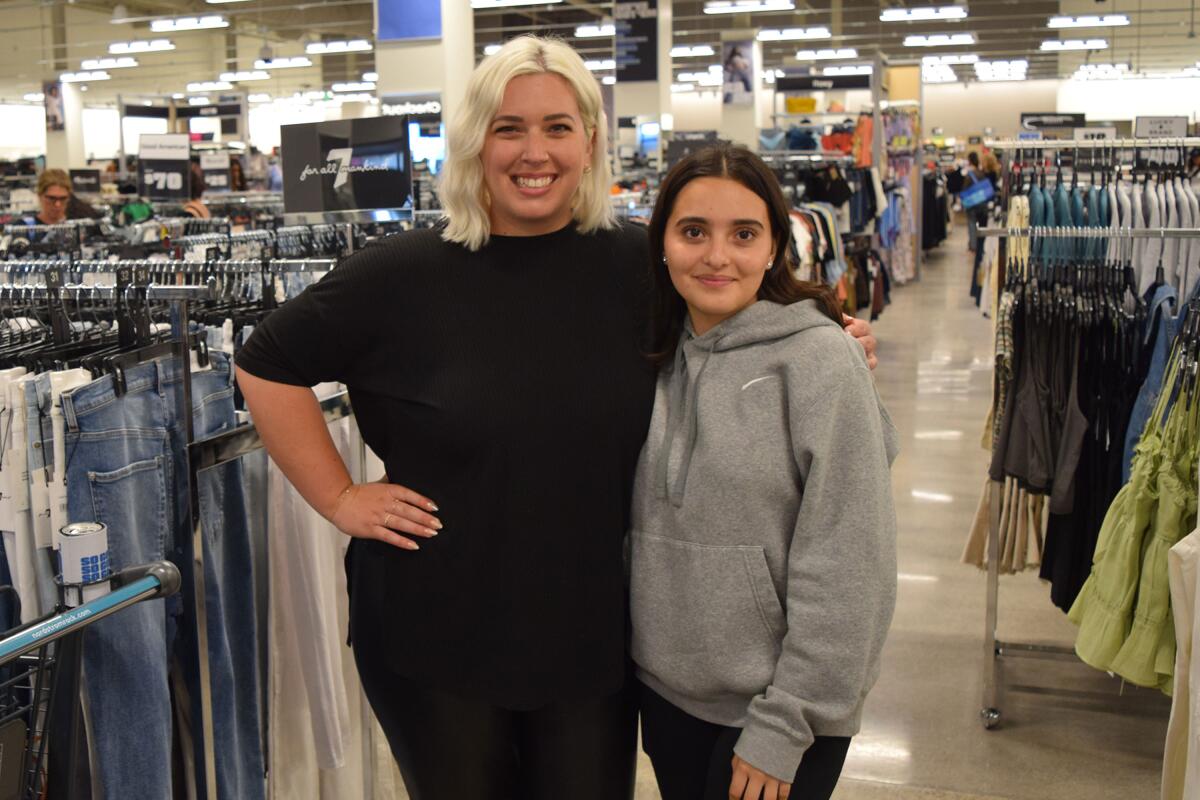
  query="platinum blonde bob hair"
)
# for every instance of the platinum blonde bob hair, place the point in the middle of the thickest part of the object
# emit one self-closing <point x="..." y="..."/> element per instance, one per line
<point x="461" y="188"/>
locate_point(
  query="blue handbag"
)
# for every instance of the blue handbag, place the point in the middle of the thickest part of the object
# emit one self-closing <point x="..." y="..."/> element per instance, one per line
<point x="977" y="193"/>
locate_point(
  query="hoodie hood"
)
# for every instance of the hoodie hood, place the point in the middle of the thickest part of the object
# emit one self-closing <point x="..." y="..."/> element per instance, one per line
<point x="760" y="323"/>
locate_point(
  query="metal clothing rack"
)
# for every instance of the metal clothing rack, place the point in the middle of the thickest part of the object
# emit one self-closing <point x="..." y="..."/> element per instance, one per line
<point x="1096" y="144"/>
<point x="994" y="648"/>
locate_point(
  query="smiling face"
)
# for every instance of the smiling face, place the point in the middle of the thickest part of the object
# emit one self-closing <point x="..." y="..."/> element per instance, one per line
<point x="718" y="243"/>
<point x="534" y="155"/>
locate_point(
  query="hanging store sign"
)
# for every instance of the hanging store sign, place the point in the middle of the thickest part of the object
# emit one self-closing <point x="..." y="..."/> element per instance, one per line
<point x="164" y="168"/>
<point x="85" y="181"/>
<point x="421" y="107"/>
<point x="405" y="20"/>
<point x="808" y="83"/>
<point x="1039" y="122"/>
<point x="1160" y="127"/>
<point x="636" y="23"/>
<point x="346" y="164"/>
<point x="215" y="166"/>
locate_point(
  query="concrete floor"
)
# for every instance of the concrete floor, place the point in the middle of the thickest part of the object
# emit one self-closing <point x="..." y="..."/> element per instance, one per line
<point x="1067" y="731"/>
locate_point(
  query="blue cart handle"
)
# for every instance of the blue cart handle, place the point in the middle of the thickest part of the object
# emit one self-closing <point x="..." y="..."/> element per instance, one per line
<point x="159" y="579"/>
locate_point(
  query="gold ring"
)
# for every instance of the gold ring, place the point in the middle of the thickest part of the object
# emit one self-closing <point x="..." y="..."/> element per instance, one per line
<point x="385" y="520"/>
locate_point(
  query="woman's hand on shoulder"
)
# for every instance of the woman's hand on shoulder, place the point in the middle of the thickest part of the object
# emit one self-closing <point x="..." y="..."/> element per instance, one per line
<point x="384" y="511"/>
<point x="751" y="783"/>
<point x="860" y="329"/>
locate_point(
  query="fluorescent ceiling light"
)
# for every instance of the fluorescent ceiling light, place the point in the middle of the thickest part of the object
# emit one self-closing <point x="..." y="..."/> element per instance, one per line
<point x="245" y="75"/>
<point x="939" y="40"/>
<point x="747" y="6"/>
<point x="209" y="86"/>
<point x="259" y="98"/>
<point x="1089" y="21"/>
<point x="362" y="86"/>
<point x="198" y="101"/>
<point x="826" y="55"/>
<point x="351" y="46"/>
<point x="122" y="62"/>
<point x="510" y="3"/>
<point x="370" y="77"/>
<point x="35" y="97"/>
<point x="793" y="34"/>
<point x="81" y="77"/>
<point x="1001" y="70"/>
<point x="491" y="50"/>
<point x="188" y="24"/>
<point x="283" y="63"/>
<point x="359" y="97"/>
<point x="683" y="51"/>
<point x="676" y="88"/>
<point x="849" y="69"/>
<point x="923" y="13"/>
<point x="143" y="46"/>
<point x="609" y="80"/>
<point x="219" y="2"/>
<point x="601" y="65"/>
<point x="1057" y="45"/>
<point x="958" y="58"/>
<point x="710" y="78"/>
<point x="938" y="73"/>
<point x="596" y="31"/>
<point x="1102" y="72"/>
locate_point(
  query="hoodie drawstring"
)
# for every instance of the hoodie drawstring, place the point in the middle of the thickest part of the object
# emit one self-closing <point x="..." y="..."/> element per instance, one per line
<point x="691" y="419"/>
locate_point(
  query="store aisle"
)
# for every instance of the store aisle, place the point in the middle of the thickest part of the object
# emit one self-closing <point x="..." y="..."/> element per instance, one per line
<point x="1067" y="731"/>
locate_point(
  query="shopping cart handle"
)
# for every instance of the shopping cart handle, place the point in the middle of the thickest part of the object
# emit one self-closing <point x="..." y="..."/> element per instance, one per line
<point x="166" y="573"/>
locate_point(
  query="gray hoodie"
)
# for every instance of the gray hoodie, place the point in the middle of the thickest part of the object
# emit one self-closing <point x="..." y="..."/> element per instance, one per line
<point x="763" y="561"/>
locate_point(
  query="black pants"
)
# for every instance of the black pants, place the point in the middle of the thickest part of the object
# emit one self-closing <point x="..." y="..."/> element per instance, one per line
<point x="455" y="748"/>
<point x="692" y="758"/>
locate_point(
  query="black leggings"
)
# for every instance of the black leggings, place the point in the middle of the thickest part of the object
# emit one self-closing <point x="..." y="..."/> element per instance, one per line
<point x="692" y="758"/>
<point x="454" y="748"/>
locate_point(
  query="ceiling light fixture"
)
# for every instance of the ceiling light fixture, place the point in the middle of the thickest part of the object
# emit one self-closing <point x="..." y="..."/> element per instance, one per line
<point x="609" y="80"/>
<point x="120" y="14"/>
<point x="491" y="49"/>
<point x="209" y="86"/>
<point x="595" y="31"/>
<point x="142" y="46"/>
<point x="359" y="86"/>
<point x="923" y="13"/>
<point x="793" y="34"/>
<point x="1102" y="72"/>
<point x="683" y="51"/>
<point x="245" y="75"/>
<point x="35" y="97"/>
<point x="123" y="62"/>
<point x="601" y="65"/>
<point x="370" y="77"/>
<point x="259" y="98"/>
<point x="850" y="69"/>
<point x="676" y="88"/>
<point x="939" y="40"/>
<point x="198" y="101"/>
<point x="1059" y="45"/>
<point x="290" y="62"/>
<point x="826" y="55"/>
<point x="747" y="6"/>
<point x="1001" y="70"/>
<point x="220" y="2"/>
<point x="327" y="48"/>
<point x="80" y="77"/>
<point x="956" y="58"/>
<point x="510" y="3"/>
<point x="1089" y="21"/>
<point x="188" y="24"/>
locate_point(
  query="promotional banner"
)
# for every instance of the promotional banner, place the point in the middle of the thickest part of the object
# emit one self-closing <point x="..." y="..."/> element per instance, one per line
<point x="738" y="63"/>
<point x="346" y="164"/>
<point x="215" y="166"/>
<point x="401" y="20"/>
<point x="164" y="167"/>
<point x="85" y="181"/>
<point x="56" y="115"/>
<point x="636" y="22"/>
<point x="1038" y="122"/>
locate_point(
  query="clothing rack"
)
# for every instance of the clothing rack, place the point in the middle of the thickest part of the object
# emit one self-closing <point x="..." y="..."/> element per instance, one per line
<point x="994" y="648"/>
<point x="1095" y="144"/>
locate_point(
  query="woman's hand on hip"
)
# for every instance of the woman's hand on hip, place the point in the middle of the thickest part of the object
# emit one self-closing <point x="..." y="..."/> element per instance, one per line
<point x="384" y="511"/>
<point x="750" y="783"/>
<point x="860" y="329"/>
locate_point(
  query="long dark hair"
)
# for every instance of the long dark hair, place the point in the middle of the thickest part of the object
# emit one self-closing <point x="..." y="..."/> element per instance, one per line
<point x="667" y="307"/>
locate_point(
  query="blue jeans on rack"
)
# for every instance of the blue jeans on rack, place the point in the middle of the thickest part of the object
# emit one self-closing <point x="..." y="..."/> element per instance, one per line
<point x="1164" y="333"/>
<point x="127" y="468"/>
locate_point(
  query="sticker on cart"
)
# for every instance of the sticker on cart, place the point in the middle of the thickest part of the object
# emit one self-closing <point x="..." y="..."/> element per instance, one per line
<point x="83" y="559"/>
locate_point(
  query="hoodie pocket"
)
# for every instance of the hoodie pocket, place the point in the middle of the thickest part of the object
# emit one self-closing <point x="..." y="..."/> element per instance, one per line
<point x="706" y="619"/>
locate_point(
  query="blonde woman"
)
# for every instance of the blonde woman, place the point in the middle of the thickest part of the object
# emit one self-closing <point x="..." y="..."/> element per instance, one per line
<point x="494" y="366"/>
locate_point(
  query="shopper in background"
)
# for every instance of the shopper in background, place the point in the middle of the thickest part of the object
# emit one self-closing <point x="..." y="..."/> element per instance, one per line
<point x="973" y="175"/>
<point x="499" y="376"/>
<point x="237" y="177"/>
<point x="1193" y="168"/>
<point x="195" y="206"/>
<point x="57" y="200"/>
<point x="763" y="560"/>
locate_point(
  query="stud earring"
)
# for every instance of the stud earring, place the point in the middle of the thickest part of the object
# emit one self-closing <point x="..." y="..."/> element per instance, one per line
<point x="664" y="259"/>
<point x="769" y="265"/>
<point x="587" y="170"/>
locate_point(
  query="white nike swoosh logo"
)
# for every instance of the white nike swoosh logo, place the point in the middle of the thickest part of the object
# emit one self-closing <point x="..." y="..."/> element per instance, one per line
<point x="756" y="380"/>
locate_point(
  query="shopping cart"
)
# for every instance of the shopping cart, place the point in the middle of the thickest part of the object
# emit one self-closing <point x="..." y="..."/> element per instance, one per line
<point x="29" y="679"/>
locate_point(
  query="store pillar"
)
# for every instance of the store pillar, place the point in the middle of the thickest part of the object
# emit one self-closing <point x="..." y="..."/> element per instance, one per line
<point x="64" y="149"/>
<point x="440" y="66"/>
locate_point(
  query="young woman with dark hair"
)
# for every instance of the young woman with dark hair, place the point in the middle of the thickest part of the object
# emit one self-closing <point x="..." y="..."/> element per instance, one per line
<point x="763" y="560"/>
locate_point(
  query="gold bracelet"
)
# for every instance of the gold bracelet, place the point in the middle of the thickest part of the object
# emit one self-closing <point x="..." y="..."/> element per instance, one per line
<point x="341" y="498"/>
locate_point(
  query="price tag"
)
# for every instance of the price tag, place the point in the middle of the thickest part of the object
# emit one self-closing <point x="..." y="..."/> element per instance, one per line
<point x="215" y="166"/>
<point x="164" y="169"/>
